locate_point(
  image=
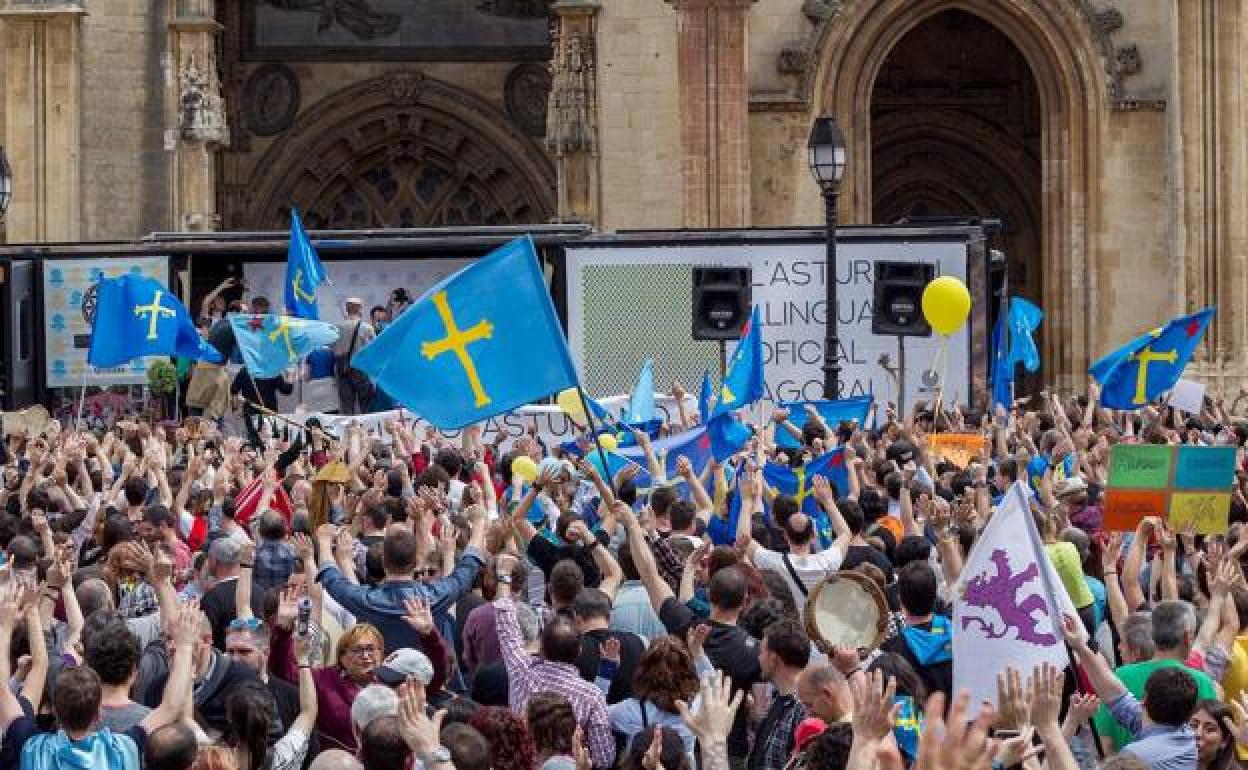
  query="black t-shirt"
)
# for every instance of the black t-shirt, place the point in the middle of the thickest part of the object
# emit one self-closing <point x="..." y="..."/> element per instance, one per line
<point x="729" y="649"/>
<point x="221" y="335"/>
<point x="857" y="554"/>
<point x="938" y="677"/>
<point x="220" y="608"/>
<point x="545" y="554"/>
<point x="631" y="649"/>
<point x="24" y="728"/>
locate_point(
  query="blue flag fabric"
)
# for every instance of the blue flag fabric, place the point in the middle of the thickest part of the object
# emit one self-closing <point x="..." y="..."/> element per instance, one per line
<point x="1025" y="318"/>
<point x="1150" y="364"/>
<point x="136" y="316"/>
<point x="832" y="412"/>
<point x="479" y="343"/>
<point x="744" y="383"/>
<point x="641" y="406"/>
<point x="304" y="272"/>
<point x="271" y="343"/>
<point x="705" y="396"/>
<point x="1002" y="369"/>
<point x="797" y="483"/>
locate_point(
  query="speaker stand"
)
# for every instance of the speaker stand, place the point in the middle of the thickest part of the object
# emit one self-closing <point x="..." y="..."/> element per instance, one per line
<point x="723" y="360"/>
<point x="901" y="377"/>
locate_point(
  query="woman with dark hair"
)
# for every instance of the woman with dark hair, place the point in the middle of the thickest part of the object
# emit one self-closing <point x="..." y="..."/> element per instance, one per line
<point x="672" y="751"/>
<point x="250" y="710"/>
<point x="665" y="674"/>
<point x="511" y="748"/>
<point x="1215" y="743"/>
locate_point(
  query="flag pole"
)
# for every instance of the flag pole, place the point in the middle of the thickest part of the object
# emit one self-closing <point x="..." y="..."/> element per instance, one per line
<point x="593" y="431"/>
<point x="82" y="395"/>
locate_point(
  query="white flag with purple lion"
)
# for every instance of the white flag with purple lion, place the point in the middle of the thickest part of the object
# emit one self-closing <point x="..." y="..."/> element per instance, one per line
<point x="1008" y="603"/>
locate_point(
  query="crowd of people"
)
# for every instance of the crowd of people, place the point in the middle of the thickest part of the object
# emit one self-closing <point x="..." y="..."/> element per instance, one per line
<point x="174" y="597"/>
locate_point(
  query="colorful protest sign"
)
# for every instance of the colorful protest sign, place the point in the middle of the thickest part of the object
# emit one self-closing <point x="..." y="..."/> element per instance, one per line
<point x="958" y="448"/>
<point x="1188" y="485"/>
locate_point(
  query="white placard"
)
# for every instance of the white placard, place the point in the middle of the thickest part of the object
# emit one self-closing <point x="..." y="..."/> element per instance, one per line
<point x="67" y="334"/>
<point x="370" y="280"/>
<point x="789" y="285"/>
<point x="1189" y="396"/>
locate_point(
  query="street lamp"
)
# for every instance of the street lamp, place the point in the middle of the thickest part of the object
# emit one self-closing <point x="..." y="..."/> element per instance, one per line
<point x="6" y="182"/>
<point x="826" y="155"/>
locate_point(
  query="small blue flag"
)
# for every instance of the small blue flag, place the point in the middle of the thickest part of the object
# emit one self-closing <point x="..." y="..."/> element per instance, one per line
<point x="479" y="343"/>
<point x="1025" y="318"/>
<point x="832" y="412"/>
<point x="136" y="316"/>
<point x="705" y="396"/>
<point x="641" y="406"/>
<point x="1150" y="364"/>
<point x="1002" y="370"/>
<point x="797" y="483"/>
<point x="744" y="383"/>
<point x="271" y="343"/>
<point x="304" y="272"/>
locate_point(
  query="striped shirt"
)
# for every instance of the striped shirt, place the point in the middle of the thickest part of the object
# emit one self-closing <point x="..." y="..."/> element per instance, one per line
<point x="527" y="675"/>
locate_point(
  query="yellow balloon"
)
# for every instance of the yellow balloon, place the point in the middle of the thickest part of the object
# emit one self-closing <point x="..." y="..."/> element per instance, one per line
<point x="570" y="402"/>
<point x="946" y="304"/>
<point x="523" y="467"/>
<point x="608" y="442"/>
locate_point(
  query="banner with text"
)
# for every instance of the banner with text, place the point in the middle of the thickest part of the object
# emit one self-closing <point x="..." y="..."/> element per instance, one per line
<point x="1188" y="485"/>
<point x="627" y="303"/>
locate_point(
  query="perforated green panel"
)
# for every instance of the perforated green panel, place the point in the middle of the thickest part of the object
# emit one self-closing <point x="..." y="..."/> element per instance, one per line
<point x="635" y="312"/>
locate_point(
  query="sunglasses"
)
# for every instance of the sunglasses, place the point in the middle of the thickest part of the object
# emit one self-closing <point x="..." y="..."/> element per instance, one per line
<point x="246" y="624"/>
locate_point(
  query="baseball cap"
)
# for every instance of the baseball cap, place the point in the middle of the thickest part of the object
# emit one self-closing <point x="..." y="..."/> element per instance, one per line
<point x="373" y="701"/>
<point x="401" y="664"/>
<point x="225" y="550"/>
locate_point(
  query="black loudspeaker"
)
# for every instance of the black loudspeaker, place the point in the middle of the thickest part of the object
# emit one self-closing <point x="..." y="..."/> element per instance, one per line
<point x="721" y="302"/>
<point x="897" y="307"/>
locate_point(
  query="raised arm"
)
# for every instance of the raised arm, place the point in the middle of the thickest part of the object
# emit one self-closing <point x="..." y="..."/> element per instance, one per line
<point x="12" y="598"/>
<point x="242" y="586"/>
<point x="1106" y="684"/>
<point x="178" y="686"/>
<point x="32" y="688"/>
<point x="1133" y="563"/>
<point x="306" y="720"/>
<point x="1118" y="611"/>
<point x="643" y="558"/>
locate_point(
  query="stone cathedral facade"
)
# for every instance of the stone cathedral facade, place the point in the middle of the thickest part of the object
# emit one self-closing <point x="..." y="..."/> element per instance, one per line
<point x="1110" y="136"/>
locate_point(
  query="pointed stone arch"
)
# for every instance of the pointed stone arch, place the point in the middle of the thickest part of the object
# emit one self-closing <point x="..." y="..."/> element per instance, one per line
<point x="401" y="150"/>
<point x="1067" y="60"/>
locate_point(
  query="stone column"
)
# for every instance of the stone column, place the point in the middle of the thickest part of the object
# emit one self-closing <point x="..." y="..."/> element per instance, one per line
<point x="714" y="105"/>
<point x="42" y="133"/>
<point x="572" y="114"/>
<point x="1211" y="119"/>
<point x="199" y="125"/>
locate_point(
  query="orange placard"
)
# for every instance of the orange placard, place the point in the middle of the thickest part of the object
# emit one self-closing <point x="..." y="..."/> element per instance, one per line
<point x="958" y="448"/>
<point x="1125" y="508"/>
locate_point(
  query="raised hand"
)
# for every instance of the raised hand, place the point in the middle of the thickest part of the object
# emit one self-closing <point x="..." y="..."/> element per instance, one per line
<point x="287" y="609"/>
<point x="419" y="615"/>
<point x="695" y="638"/>
<point x="1014" y="712"/>
<point x="1046" y="695"/>
<point x="303" y="547"/>
<point x="719" y="706"/>
<point x="420" y="733"/>
<point x="874" y="710"/>
<point x="609" y="649"/>
<point x="1083" y="706"/>
<point x="953" y="742"/>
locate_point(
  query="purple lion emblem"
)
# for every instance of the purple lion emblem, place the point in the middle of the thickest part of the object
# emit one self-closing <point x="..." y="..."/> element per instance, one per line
<point x="1000" y="593"/>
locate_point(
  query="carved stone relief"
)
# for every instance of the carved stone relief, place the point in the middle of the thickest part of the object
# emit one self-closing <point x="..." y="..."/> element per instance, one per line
<point x="525" y="96"/>
<point x="201" y="111"/>
<point x="571" y="124"/>
<point x="271" y="99"/>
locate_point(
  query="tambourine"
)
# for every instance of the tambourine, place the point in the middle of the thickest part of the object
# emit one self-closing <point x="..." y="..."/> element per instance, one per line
<point x="846" y="609"/>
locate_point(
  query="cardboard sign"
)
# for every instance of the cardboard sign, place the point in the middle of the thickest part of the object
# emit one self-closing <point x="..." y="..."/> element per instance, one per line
<point x="958" y="448"/>
<point x="1189" y="485"/>
<point x="1188" y="396"/>
<point x="1140" y="465"/>
<point x="1125" y="508"/>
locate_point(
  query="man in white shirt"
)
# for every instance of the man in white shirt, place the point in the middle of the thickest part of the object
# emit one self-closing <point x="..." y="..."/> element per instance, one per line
<point x="802" y="567"/>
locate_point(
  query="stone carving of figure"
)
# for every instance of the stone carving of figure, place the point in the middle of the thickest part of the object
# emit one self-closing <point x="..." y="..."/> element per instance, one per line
<point x="202" y="114"/>
<point x="570" y="126"/>
<point x="355" y="16"/>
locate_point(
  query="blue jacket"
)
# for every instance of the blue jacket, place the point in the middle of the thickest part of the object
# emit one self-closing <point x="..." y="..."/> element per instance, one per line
<point x="382" y="606"/>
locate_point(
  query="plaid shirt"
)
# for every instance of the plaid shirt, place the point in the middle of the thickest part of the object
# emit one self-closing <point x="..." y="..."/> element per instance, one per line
<point x="668" y="562"/>
<point x="773" y="745"/>
<point x="275" y="563"/>
<point x="527" y="675"/>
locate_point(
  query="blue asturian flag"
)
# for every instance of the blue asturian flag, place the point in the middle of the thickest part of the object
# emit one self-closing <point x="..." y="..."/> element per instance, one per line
<point x="304" y="272"/>
<point x="1150" y="364"/>
<point x="1002" y="369"/>
<point x="1025" y="318"/>
<point x="705" y="396"/>
<point x="797" y="483"/>
<point x="833" y="412"/>
<point x="744" y="383"/>
<point x="641" y="405"/>
<point x="136" y="316"/>
<point x="271" y="343"/>
<point x="479" y="343"/>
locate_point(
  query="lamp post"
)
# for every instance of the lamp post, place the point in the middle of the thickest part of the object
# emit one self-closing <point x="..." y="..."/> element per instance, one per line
<point x="826" y="155"/>
<point x="6" y="182"/>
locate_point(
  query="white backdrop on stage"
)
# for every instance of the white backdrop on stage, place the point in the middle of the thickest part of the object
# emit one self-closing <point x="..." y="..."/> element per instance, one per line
<point x="371" y="280"/>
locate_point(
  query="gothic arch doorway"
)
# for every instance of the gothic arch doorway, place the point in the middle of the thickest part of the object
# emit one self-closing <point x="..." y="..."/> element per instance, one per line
<point x="401" y="150"/>
<point x="956" y="132"/>
<point x="1066" y="65"/>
